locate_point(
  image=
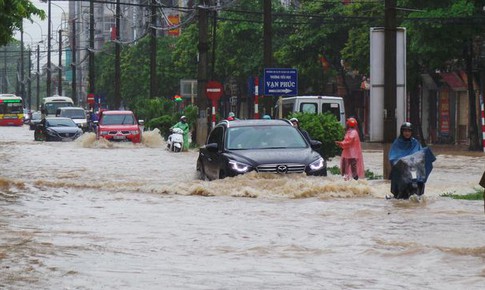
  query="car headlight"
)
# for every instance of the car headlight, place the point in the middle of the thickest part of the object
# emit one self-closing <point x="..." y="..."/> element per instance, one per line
<point x="317" y="164"/>
<point x="239" y="166"/>
<point x="102" y="133"/>
<point x="134" y="132"/>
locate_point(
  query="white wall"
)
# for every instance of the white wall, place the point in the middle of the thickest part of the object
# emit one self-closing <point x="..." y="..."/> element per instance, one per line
<point x="376" y="108"/>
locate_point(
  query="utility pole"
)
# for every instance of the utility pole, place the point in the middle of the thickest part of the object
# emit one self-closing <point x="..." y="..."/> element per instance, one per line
<point x="38" y="78"/>
<point x="59" y="76"/>
<point x="91" y="47"/>
<point x="389" y="81"/>
<point x="153" y="50"/>
<point x="49" y="49"/>
<point x="268" y="47"/>
<point x="22" y="58"/>
<point x="4" y="79"/>
<point x="29" y="94"/>
<point x="73" y="63"/>
<point x="117" y="99"/>
<point x="472" y="121"/>
<point x="202" y="122"/>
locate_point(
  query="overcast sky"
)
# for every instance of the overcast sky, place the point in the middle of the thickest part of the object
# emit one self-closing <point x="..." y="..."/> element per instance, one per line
<point x="37" y="31"/>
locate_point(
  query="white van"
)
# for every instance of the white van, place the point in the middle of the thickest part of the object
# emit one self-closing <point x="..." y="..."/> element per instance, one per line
<point x="314" y="105"/>
<point x="77" y="114"/>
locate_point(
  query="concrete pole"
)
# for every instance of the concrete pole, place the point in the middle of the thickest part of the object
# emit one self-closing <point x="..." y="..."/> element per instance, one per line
<point x="389" y="81"/>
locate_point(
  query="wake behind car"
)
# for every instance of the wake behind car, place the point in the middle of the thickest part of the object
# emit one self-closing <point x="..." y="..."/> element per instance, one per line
<point x="272" y="146"/>
<point x="117" y="125"/>
<point x="57" y="129"/>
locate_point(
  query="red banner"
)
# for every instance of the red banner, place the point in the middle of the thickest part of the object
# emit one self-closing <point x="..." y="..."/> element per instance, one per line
<point x="444" y="111"/>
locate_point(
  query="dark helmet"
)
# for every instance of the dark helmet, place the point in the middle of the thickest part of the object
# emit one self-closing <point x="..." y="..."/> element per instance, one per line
<point x="406" y="126"/>
<point x="352" y="122"/>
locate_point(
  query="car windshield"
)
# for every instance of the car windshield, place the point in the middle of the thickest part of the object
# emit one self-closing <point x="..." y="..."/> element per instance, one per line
<point x="119" y="119"/>
<point x="264" y="137"/>
<point x="74" y="114"/>
<point x="60" y="123"/>
<point x="36" y="115"/>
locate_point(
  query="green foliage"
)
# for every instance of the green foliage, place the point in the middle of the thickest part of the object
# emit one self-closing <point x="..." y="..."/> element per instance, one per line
<point x="477" y="195"/>
<point x="12" y="13"/>
<point x="324" y="128"/>
<point x="162" y="123"/>
<point x="334" y="170"/>
<point x="148" y="109"/>
<point x="300" y="36"/>
<point x="369" y="175"/>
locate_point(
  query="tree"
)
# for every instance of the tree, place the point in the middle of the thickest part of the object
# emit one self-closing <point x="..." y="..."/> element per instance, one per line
<point x="12" y="14"/>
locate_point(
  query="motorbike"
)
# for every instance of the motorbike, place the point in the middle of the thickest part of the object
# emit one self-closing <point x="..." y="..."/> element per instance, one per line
<point x="410" y="173"/>
<point x="175" y="141"/>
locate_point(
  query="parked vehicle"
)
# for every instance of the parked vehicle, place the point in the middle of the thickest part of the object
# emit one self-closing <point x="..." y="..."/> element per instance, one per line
<point x="77" y="114"/>
<point x="57" y="129"/>
<point x="273" y="146"/>
<point x="175" y="141"/>
<point x="314" y="105"/>
<point x="114" y="125"/>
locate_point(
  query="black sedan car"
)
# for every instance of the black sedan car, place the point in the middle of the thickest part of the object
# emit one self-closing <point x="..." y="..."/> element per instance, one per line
<point x="274" y="146"/>
<point x="57" y="129"/>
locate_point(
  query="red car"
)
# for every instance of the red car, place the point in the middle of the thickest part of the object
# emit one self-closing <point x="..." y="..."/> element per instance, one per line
<point x="118" y="126"/>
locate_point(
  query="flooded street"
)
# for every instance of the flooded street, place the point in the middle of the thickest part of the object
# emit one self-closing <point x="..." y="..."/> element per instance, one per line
<point x="97" y="215"/>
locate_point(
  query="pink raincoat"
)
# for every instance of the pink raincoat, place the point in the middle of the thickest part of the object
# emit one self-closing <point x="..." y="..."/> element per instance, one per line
<point x="351" y="155"/>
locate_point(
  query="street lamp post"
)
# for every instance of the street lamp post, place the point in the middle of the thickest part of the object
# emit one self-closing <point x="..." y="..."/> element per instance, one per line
<point x="48" y="48"/>
<point x="22" y="84"/>
<point x="38" y="78"/>
<point x="59" y="85"/>
<point x="73" y="62"/>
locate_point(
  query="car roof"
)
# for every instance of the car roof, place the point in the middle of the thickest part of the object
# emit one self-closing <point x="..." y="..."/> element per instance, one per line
<point x="116" y="112"/>
<point x="255" y="122"/>
<point x="57" y="118"/>
<point x="70" y="108"/>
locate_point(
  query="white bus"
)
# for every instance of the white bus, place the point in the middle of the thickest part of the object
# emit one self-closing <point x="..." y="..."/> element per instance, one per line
<point x="51" y="104"/>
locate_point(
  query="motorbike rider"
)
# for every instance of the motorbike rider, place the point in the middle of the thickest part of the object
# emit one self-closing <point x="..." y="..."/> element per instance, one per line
<point x="402" y="146"/>
<point x="182" y="124"/>
<point x="231" y="116"/>
<point x="405" y="144"/>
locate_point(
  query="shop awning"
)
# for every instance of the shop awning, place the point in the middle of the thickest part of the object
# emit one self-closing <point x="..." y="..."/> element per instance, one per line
<point x="453" y="81"/>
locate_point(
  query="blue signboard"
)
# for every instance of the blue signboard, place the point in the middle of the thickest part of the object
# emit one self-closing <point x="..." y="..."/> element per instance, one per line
<point x="280" y="82"/>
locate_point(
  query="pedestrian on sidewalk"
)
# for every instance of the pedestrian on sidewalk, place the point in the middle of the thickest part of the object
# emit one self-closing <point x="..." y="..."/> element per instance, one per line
<point x="351" y="161"/>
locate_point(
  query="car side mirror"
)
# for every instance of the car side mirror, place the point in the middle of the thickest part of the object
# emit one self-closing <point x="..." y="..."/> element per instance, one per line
<point x="141" y="122"/>
<point x="95" y="122"/>
<point x="212" y="147"/>
<point x="315" y="144"/>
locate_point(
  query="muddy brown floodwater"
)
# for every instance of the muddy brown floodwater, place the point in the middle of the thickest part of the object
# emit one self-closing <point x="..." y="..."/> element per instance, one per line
<point x="95" y="215"/>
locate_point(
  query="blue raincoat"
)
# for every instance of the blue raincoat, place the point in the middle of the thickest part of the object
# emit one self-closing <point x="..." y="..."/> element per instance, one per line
<point x="407" y="154"/>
